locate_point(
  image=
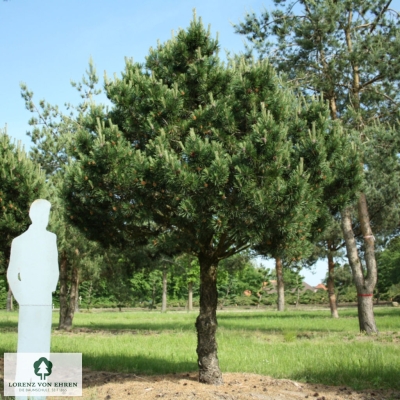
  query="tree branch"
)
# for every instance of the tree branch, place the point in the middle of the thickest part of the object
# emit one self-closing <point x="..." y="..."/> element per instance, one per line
<point x="385" y="95"/>
<point x="375" y="23"/>
<point x="375" y="79"/>
<point x="391" y="9"/>
<point x="362" y="26"/>
<point x="236" y="250"/>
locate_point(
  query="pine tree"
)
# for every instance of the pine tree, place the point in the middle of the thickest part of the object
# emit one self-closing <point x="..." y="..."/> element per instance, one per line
<point x="227" y="279"/>
<point x="21" y="182"/>
<point x="51" y="131"/>
<point x="203" y="158"/>
<point x="329" y="244"/>
<point x="185" y="275"/>
<point x="389" y="267"/>
<point x="349" y="52"/>
<point x="79" y="260"/>
<point x="334" y="242"/>
<point x="336" y="188"/>
<point x="293" y="280"/>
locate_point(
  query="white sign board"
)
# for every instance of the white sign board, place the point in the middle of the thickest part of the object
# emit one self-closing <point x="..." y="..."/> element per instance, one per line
<point x="40" y="374"/>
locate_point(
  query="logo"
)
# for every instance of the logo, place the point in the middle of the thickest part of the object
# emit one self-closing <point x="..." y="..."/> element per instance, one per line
<point x="32" y="375"/>
<point x="43" y="367"/>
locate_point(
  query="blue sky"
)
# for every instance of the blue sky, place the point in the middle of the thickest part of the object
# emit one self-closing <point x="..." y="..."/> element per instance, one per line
<point x="313" y="276"/>
<point x="47" y="43"/>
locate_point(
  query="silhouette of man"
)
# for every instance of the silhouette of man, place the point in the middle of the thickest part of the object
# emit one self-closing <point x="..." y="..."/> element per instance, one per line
<point x="33" y="275"/>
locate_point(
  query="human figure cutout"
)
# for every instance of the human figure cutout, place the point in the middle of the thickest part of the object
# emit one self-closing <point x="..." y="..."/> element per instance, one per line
<point x="33" y="275"/>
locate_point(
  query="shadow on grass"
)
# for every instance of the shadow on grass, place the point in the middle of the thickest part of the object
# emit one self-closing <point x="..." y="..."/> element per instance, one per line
<point x="388" y="312"/>
<point x="136" y="364"/>
<point x="373" y="377"/>
<point x="232" y="323"/>
<point x="146" y="328"/>
<point x="11" y="326"/>
<point x="141" y="327"/>
<point x="228" y="321"/>
<point x="273" y="315"/>
<point x="288" y="315"/>
<point x="139" y="364"/>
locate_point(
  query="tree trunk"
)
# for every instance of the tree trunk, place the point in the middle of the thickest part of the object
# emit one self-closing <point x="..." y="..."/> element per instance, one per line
<point x="63" y="291"/>
<point x="206" y="323"/>
<point x="74" y="293"/>
<point x="280" y="284"/>
<point x="366" y="317"/>
<point x="331" y="282"/>
<point x="222" y="303"/>
<point x="89" y="295"/>
<point x="190" y="296"/>
<point x="77" y="298"/>
<point x="9" y="300"/>
<point x="68" y="286"/>
<point x="164" y="290"/>
<point x="153" y="297"/>
<point x="365" y="285"/>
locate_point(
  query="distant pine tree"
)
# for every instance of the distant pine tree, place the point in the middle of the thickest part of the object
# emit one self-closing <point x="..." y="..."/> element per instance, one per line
<point x="347" y="51"/>
<point x="21" y="182"/>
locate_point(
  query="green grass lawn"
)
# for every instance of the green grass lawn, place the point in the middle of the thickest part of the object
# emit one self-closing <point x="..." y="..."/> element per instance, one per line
<point x="306" y="346"/>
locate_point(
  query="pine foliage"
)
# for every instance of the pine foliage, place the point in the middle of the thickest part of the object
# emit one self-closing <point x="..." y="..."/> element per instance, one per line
<point x="347" y="51"/>
<point x="207" y="157"/>
<point x="21" y="182"/>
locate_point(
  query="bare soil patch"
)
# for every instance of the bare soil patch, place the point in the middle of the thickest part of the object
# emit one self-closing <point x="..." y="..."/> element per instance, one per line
<point x="100" y="385"/>
<point x="237" y="386"/>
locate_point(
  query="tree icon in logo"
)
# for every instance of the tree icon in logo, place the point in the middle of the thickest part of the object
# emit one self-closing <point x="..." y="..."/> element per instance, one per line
<point x="43" y="367"/>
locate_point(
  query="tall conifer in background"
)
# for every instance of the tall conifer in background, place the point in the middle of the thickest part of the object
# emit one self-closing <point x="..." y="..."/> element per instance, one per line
<point x="349" y="52"/>
<point x="21" y="182"/>
<point x="338" y="187"/>
<point x="79" y="258"/>
<point x="51" y="132"/>
<point x="389" y="271"/>
<point x="203" y="158"/>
